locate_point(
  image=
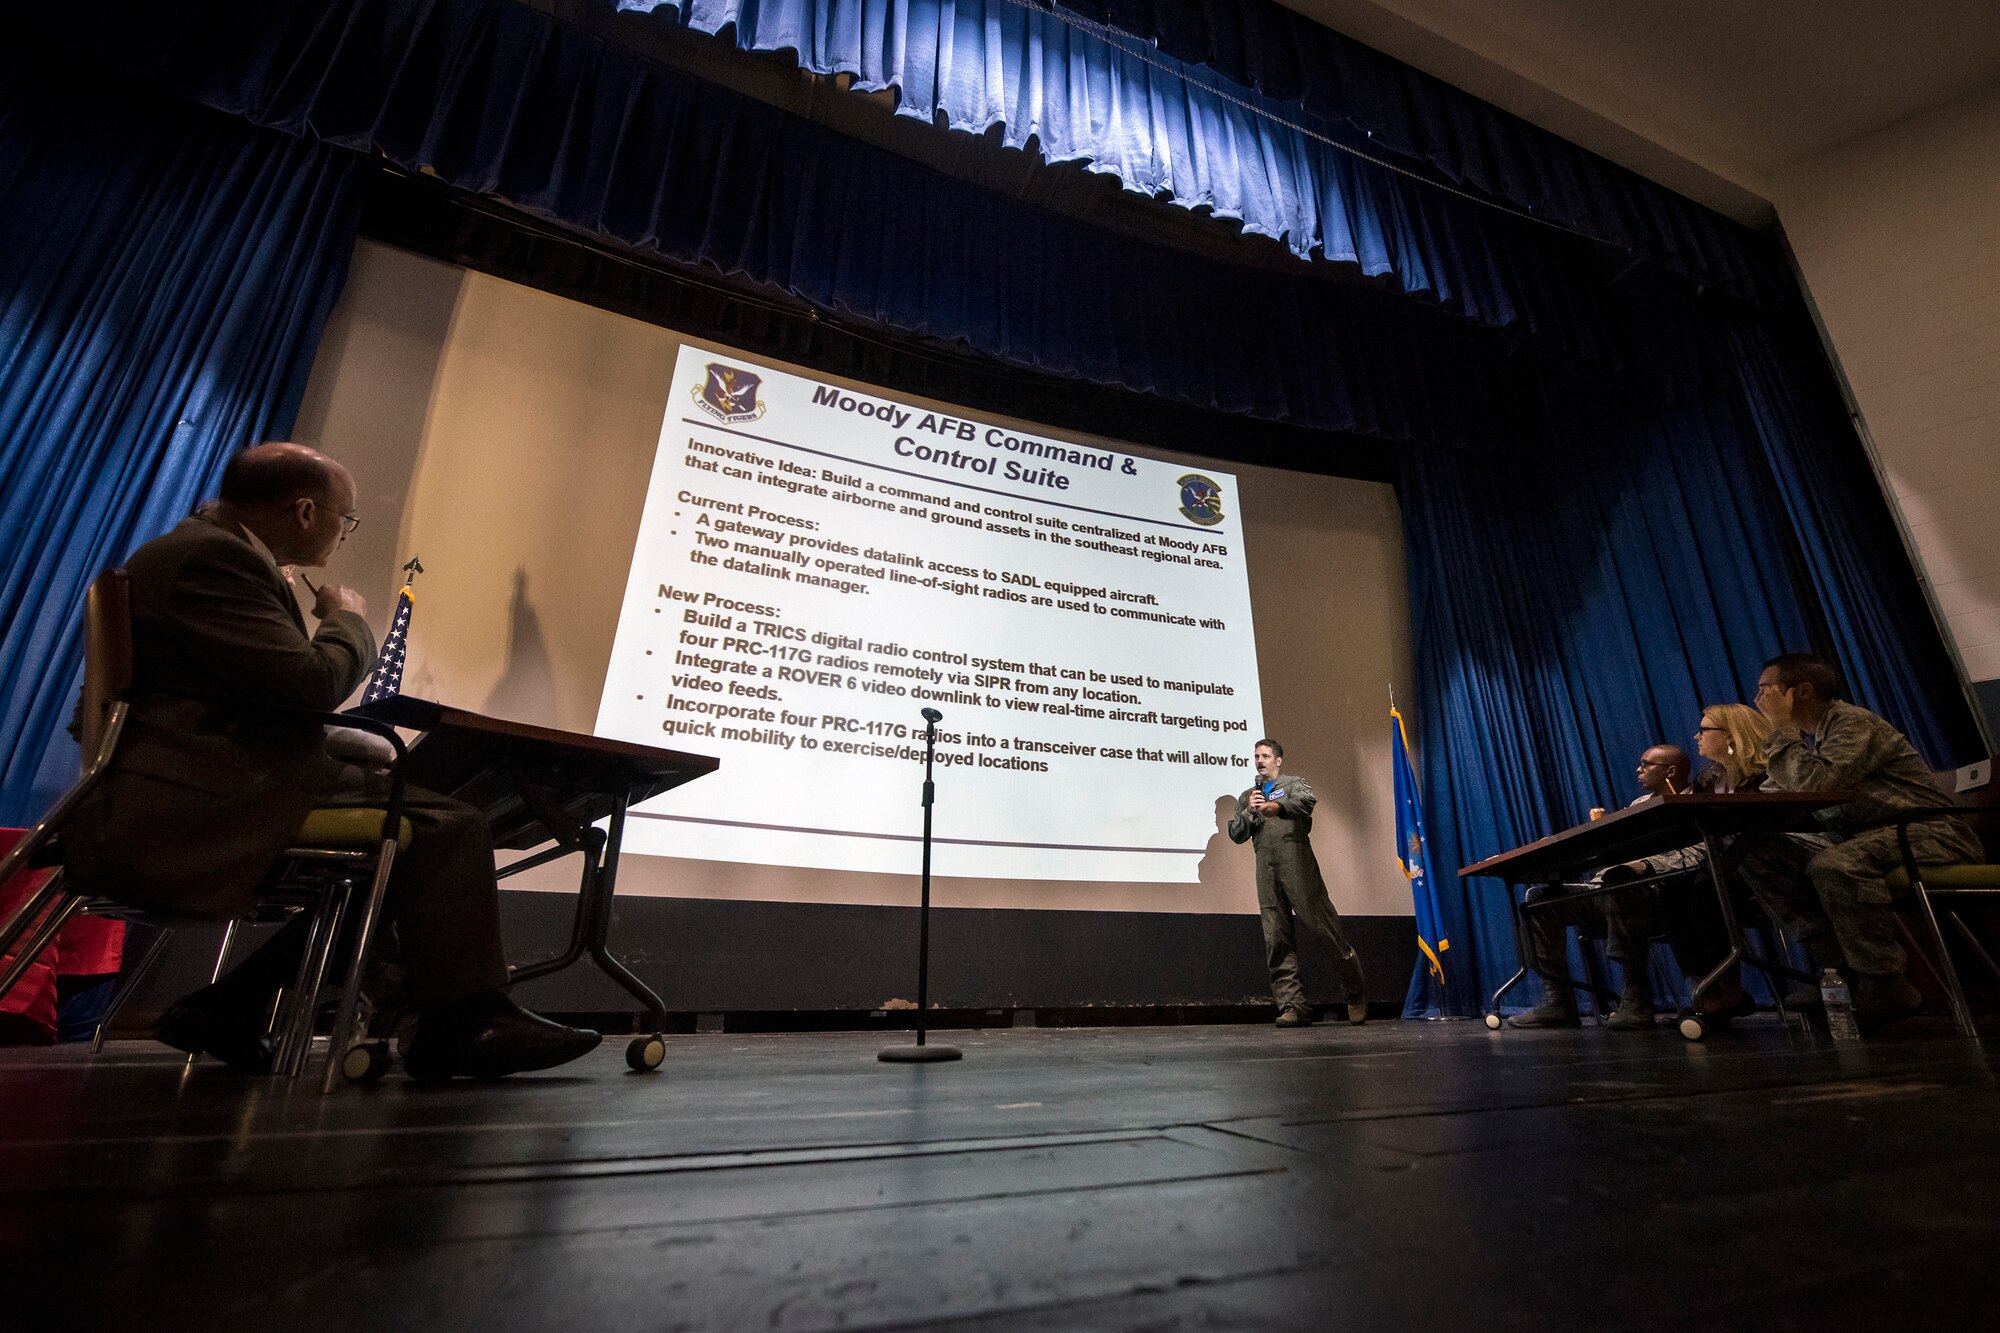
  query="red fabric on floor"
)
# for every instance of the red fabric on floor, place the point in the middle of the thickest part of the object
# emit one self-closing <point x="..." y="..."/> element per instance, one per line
<point x="86" y="947"/>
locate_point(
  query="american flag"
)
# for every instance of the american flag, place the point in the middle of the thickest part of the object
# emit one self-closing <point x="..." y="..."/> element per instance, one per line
<point x="387" y="679"/>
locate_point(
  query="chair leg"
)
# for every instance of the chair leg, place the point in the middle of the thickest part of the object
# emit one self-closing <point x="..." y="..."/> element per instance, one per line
<point x="221" y="966"/>
<point x="222" y="953"/>
<point x="1914" y="947"/>
<point x="21" y="918"/>
<point x="300" y="1007"/>
<point x="129" y="983"/>
<point x="1593" y="971"/>
<point x="357" y="964"/>
<point x="1961" y="1012"/>
<point x="59" y="907"/>
<point x="1973" y="940"/>
<point x="1783" y="955"/>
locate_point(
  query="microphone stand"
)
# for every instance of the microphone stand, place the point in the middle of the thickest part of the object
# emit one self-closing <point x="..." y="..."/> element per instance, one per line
<point x="920" y="1053"/>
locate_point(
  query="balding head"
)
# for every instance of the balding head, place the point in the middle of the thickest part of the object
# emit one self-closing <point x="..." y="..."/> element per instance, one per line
<point x="274" y="475"/>
<point x="1664" y="768"/>
<point x="298" y="502"/>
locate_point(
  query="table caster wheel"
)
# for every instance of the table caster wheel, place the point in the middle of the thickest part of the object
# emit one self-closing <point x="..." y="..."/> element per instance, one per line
<point x="365" y="1061"/>
<point x="644" y="1054"/>
<point x="1493" y="1022"/>
<point x="1692" y="1028"/>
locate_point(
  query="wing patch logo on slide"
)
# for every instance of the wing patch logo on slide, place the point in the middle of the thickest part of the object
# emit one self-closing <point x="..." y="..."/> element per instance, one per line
<point x="1201" y="500"/>
<point x="729" y="394"/>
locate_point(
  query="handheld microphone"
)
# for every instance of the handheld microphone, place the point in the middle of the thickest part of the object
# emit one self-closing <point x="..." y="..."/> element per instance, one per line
<point x="932" y="715"/>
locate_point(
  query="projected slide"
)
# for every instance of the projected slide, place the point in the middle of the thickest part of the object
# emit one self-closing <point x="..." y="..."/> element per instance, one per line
<point x="816" y="565"/>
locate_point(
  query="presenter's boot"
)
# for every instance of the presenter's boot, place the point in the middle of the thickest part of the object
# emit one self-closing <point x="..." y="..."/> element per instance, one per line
<point x="1357" y="1012"/>
<point x="1557" y="1009"/>
<point x="1882" y="1000"/>
<point x="1635" y="1011"/>
<point x="1295" y="1018"/>
<point x="489" y="1036"/>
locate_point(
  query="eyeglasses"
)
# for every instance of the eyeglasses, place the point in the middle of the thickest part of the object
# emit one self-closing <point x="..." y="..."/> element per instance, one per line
<point x="1704" y="727"/>
<point x="348" y="522"/>
<point x="1653" y="763"/>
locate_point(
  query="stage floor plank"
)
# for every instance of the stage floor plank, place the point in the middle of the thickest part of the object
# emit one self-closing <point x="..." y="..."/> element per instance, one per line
<point x="1400" y="1175"/>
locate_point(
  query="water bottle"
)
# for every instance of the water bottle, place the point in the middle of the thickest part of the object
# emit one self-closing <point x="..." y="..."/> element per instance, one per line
<point x="1839" y="1007"/>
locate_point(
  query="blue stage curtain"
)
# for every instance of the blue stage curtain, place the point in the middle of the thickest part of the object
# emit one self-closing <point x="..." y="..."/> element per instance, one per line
<point x="1291" y="59"/>
<point x="1166" y="130"/>
<point x="1596" y="546"/>
<point x="1875" y="621"/>
<point x="163" y="283"/>
<point x="498" y="99"/>
<point x="1575" y="603"/>
<point x="1201" y="102"/>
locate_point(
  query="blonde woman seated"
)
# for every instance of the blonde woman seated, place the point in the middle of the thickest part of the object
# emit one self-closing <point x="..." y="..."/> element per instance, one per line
<point x="1730" y="737"/>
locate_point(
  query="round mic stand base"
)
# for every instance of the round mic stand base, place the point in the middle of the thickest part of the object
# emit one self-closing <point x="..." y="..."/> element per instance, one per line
<point x="919" y="1055"/>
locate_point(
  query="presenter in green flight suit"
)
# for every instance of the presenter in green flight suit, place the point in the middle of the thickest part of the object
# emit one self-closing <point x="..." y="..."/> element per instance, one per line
<point x="1275" y="817"/>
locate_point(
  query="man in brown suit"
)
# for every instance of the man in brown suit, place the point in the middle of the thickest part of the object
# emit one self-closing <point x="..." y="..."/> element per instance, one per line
<point x="211" y="780"/>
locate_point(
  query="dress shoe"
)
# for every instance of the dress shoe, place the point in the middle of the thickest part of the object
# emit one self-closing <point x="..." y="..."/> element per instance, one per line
<point x="1718" y="1012"/>
<point x="1555" y="1011"/>
<point x="1726" y="1002"/>
<point x="490" y="1037"/>
<point x="1880" y="1001"/>
<point x="1357" y="1012"/>
<point x="1295" y="1018"/>
<point x="203" y="1024"/>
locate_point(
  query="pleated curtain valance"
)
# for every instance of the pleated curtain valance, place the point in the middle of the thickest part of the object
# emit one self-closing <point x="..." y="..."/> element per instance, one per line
<point x="1235" y="106"/>
<point x="495" y="98"/>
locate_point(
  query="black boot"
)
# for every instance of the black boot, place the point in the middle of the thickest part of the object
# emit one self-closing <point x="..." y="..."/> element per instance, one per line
<point x="1880" y="1001"/>
<point x="489" y="1036"/>
<point x="214" y="1022"/>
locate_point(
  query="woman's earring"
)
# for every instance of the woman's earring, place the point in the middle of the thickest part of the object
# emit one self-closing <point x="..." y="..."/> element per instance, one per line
<point x="1732" y="747"/>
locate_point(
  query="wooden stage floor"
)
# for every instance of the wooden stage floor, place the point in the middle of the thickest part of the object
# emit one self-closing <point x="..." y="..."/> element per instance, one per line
<point x="1397" y="1176"/>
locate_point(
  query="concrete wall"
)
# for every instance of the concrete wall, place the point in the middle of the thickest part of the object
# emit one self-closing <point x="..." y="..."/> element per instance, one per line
<point x="1898" y="236"/>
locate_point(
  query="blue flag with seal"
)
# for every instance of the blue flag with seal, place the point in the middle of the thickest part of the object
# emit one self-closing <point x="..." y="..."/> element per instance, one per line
<point x="1413" y="854"/>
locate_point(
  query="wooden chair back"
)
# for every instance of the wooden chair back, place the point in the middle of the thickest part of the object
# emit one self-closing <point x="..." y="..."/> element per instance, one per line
<point x="107" y="654"/>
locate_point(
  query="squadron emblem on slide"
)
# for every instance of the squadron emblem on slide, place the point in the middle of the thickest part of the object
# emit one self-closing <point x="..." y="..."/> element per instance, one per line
<point x="1201" y="500"/>
<point x="729" y="394"/>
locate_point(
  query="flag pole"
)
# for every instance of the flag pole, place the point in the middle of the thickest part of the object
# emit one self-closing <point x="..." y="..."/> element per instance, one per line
<point x="385" y="678"/>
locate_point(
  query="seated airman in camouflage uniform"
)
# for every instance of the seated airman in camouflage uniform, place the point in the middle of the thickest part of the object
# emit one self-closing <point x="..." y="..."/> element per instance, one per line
<point x="1832" y="889"/>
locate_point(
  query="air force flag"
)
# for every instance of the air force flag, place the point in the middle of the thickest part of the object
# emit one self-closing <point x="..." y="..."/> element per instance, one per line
<point x="1414" y="855"/>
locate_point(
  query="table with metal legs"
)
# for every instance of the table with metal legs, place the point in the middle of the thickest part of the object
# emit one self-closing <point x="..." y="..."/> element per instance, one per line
<point x="540" y="786"/>
<point x="1651" y="827"/>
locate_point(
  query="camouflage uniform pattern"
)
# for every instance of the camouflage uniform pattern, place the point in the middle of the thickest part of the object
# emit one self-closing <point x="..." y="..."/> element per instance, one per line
<point x="1289" y="885"/>
<point x="1628" y="919"/>
<point x="1834" y="887"/>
